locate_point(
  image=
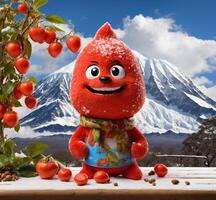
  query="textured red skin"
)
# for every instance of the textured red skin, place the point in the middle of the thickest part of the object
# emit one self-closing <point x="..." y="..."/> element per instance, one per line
<point x="120" y="105"/>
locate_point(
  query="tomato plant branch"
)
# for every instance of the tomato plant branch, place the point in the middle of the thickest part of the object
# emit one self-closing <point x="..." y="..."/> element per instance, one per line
<point x="26" y="19"/>
<point x="64" y="36"/>
<point x="29" y="25"/>
<point x="1" y="132"/>
<point x="6" y="14"/>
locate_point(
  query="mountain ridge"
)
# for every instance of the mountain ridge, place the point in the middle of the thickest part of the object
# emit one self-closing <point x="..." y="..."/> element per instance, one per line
<point x="173" y="102"/>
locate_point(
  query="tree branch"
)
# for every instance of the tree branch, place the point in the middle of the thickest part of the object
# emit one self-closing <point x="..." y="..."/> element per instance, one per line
<point x="1" y="131"/>
<point x="29" y="25"/>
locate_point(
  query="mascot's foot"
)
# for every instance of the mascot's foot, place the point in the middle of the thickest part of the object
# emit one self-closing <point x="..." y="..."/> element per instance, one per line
<point x="87" y="170"/>
<point x="133" y="172"/>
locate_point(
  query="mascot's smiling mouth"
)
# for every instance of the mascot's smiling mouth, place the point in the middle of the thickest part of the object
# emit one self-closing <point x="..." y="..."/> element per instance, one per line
<point x="105" y="90"/>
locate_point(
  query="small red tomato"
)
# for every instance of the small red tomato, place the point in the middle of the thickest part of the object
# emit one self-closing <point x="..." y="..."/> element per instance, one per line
<point x="46" y="168"/>
<point x="13" y="49"/>
<point x="22" y="8"/>
<point x="27" y="88"/>
<point x="161" y="170"/>
<point x="37" y="34"/>
<point x="10" y="119"/>
<point x="17" y="93"/>
<point x="101" y="177"/>
<point x="55" y="49"/>
<point x="22" y="65"/>
<point x="30" y="102"/>
<point x="2" y="110"/>
<point x="73" y="43"/>
<point x="64" y="174"/>
<point x="50" y="36"/>
<point x="81" y="179"/>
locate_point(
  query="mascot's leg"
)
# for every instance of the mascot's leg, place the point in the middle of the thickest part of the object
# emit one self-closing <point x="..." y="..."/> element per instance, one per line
<point x="87" y="170"/>
<point x="133" y="172"/>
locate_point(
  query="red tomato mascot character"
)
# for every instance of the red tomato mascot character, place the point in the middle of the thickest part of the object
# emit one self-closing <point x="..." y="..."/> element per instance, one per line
<point x="107" y="89"/>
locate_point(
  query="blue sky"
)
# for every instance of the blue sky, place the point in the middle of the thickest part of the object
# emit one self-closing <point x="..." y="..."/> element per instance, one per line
<point x="196" y="17"/>
<point x="191" y="19"/>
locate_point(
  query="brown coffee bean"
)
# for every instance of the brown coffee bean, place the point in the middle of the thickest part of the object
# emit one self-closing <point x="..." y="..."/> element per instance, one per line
<point x="115" y="184"/>
<point x="151" y="173"/>
<point x="7" y="173"/>
<point x="175" y="181"/>
<point x="8" y="176"/>
<point x="154" y="184"/>
<point x="3" y="175"/>
<point x="152" y="180"/>
<point x="187" y="183"/>
<point x="4" y="179"/>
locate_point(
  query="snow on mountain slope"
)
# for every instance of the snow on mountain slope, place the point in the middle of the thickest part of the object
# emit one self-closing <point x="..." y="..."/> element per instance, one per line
<point x="173" y="102"/>
<point x="200" y="102"/>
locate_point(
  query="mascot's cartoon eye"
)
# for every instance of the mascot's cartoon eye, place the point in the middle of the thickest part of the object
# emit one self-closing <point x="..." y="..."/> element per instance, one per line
<point x="117" y="71"/>
<point x="92" y="72"/>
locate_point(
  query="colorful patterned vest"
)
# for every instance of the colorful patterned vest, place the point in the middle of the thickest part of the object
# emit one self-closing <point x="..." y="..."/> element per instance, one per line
<point x="108" y="143"/>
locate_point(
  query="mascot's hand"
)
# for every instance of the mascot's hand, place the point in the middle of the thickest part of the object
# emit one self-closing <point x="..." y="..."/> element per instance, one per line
<point x="139" y="150"/>
<point x="79" y="149"/>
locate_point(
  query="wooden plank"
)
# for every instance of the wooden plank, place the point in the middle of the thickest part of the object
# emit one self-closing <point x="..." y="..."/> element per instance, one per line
<point x="109" y="195"/>
<point x="203" y="186"/>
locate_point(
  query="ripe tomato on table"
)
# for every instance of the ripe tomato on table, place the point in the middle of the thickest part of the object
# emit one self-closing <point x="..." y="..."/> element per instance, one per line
<point x="101" y="177"/>
<point x="47" y="168"/>
<point x="161" y="170"/>
<point x="81" y="179"/>
<point x="64" y="174"/>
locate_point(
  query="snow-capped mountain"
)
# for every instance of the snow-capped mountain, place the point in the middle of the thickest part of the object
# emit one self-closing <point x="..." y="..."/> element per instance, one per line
<point x="173" y="102"/>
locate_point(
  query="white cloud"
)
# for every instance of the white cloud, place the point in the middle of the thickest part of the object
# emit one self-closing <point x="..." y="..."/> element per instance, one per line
<point x="206" y="86"/>
<point x="202" y="80"/>
<point x="28" y="132"/>
<point x="45" y="63"/>
<point x="163" y="38"/>
<point x="154" y="38"/>
<point x="209" y="91"/>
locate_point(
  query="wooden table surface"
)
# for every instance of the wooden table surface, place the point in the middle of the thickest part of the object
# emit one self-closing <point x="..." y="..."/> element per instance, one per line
<point x="202" y="186"/>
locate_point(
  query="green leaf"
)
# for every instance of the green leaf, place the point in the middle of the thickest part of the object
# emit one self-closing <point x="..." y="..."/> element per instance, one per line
<point x="27" y="48"/>
<point x="28" y="171"/>
<point x="33" y="79"/>
<point x="20" y="162"/>
<point x="37" y="158"/>
<point x="39" y="3"/>
<point x="54" y="28"/>
<point x="16" y="103"/>
<point x="9" y="68"/>
<point x="8" y="88"/>
<point x="17" y="128"/>
<point x="8" y="147"/>
<point x="1" y="97"/>
<point x="35" y="149"/>
<point x="3" y="161"/>
<point x="55" y="19"/>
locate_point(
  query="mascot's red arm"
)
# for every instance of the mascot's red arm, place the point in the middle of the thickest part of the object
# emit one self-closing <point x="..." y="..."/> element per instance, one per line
<point x="77" y="144"/>
<point x="139" y="146"/>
